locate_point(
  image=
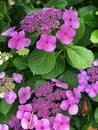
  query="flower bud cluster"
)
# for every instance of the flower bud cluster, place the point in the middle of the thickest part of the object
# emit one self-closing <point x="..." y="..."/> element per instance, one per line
<point x="4" y="56"/>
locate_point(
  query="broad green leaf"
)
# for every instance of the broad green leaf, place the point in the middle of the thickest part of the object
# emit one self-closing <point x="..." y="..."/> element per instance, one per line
<point x="79" y="32"/>
<point x="86" y="10"/>
<point x="57" y="3"/>
<point x="20" y="63"/>
<point x="69" y="76"/>
<point x="57" y="70"/>
<point x="94" y="36"/>
<point x="95" y="98"/>
<point x="79" y="57"/>
<point x="74" y="2"/>
<point x="41" y="62"/>
<point x="96" y="115"/>
<point x="3" y="66"/>
<point x="4" y="107"/>
<point x="91" y="19"/>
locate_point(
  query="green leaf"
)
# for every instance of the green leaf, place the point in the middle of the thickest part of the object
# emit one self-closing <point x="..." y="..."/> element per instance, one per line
<point x="41" y="62"/>
<point x="57" y="70"/>
<point x="95" y="98"/>
<point x="94" y="36"/>
<point x="86" y="10"/>
<point x="91" y="19"/>
<point x="57" y="3"/>
<point x="96" y="115"/>
<point x="20" y="63"/>
<point x="79" y="32"/>
<point x="79" y="57"/>
<point x="69" y="76"/>
<point x="4" y="107"/>
<point x="74" y="2"/>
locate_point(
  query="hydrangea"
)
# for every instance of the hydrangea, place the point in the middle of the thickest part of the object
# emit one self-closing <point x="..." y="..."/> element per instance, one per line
<point x="10" y="96"/>
<point x="18" y="41"/>
<point x="2" y="74"/>
<point x="46" y="43"/>
<point x="70" y="18"/>
<point x="17" y="77"/>
<point x="61" y="122"/>
<point x="4" y="127"/>
<point x="43" y="124"/>
<point x="24" y="94"/>
<point x="65" y="34"/>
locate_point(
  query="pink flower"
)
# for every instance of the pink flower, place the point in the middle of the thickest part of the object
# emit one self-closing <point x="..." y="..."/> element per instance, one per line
<point x="64" y="105"/>
<point x="60" y="84"/>
<point x="46" y="43"/>
<point x="17" y="77"/>
<point x="2" y="74"/>
<point x="61" y="122"/>
<point x="29" y="120"/>
<point x="24" y="94"/>
<point x="73" y="109"/>
<point x="43" y="124"/>
<point x="10" y="32"/>
<point x="71" y="18"/>
<point x="65" y="34"/>
<point x="4" y="127"/>
<point x="10" y="96"/>
<point x="19" y="41"/>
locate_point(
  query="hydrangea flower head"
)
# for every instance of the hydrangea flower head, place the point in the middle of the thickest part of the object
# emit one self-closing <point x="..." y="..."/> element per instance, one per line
<point x="65" y="34"/>
<point x="24" y="94"/>
<point x="10" y="96"/>
<point x="46" y="43"/>
<point x="10" y="32"/>
<point x="18" y="41"/>
<point x="43" y="124"/>
<point x="71" y="18"/>
<point x="17" y="77"/>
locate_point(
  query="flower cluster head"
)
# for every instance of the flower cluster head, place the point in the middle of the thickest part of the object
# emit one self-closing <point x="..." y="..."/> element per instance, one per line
<point x="4" y="56"/>
<point x="4" y="127"/>
<point x="88" y="80"/>
<point x="43" y="21"/>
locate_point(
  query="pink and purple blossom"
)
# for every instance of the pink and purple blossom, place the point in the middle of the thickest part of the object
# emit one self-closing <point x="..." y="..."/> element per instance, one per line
<point x="17" y="77"/>
<point x="65" y="34"/>
<point x="4" y="127"/>
<point x="10" y="32"/>
<point x="19" y="41"/>
<point x="2" y="75"/>
<point x="46" y="43"/>
<point x="10" y="96"/>
<point x="70" y="18"/>
<point x="24" y="94"/>
<point x="43" y="124"/>
<point x="61" y="122"/>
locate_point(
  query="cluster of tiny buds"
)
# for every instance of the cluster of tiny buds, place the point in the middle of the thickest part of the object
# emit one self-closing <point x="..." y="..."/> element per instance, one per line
<point x="4" y="56"/>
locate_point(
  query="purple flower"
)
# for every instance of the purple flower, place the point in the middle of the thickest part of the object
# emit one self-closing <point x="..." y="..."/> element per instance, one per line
<point x="17" y="77"/>
<point x="61" y="122"/>
<point x="2" y="74"/>
<point x="43" y="124"/>
<point x="65" y="34"/>
<point x="71" y="18"/>
<point x="24" y="94"/>
<point x="46" y="43"/>
<point x="73" y="109"/>
<point x="64" y="105"/>
<point x="10" y="96"/>
<point x="60" y="84"/>
<point x="4" y="127"/>
<point x="10" y="32"/>
<point x="18" y="41"/>
<point x="29" y="120"/>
